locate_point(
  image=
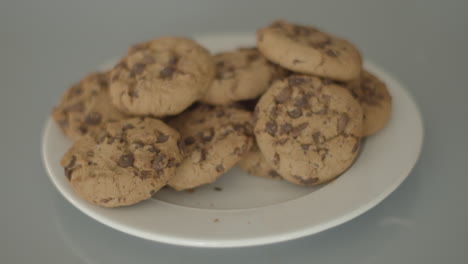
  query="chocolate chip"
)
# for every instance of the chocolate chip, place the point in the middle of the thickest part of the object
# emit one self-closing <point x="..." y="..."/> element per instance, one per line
<point x="167" y="72"/>
<point x="331" y="53"/>
<point x="152" y="192"/>
<point x="323" y="153"/>
<point x="218" y="189"/>
<point x="152" y="149"/>
<point x="274" y="112"/>
<point x="355" y="147"/>
<point x="106" y="200"/>
<point x="276" y="159"/>
<point x="274" y="174"/>
<point x="138" y="68"/>
<point x="75" y="91"/>
<point x="295" y="80"/>
<point x="145" y="175"/>
<point x="297" y="61"/>
<point x="220" y="168"/>
<point x="284" y="95"/>
<point x="220" y="64"/>
<point x="126" y="160"/>
<point x="296" y="131"/>
<point x="200" y="155"/>
<point x="132" y="92"/>
<point x="316" y="136"/>
<point x="93" y="118"/>
<point x="78" y="107"/>
<point x="173" y="60"/>
<point x="286" y="128"/>
<point x="206" y="135"/>
<point x="236" y="151"/>
<point x="83" y="129"/>
<point x="271" y="128"/>
<point x="282" y="141"/>
<point x="171" y="163"/>
<point x="69" y="166"/>
<point x="189" y="140"/>
<point x="309" y="181"/>
<point x="162" y="138"/>
<point x="295" y="113"/>
<point x="305" y="147"/>
<point x="301" y="101"/>
<point x="158" y="162"/>
<point x="138" y="144"/>
<point x="342" y="123"/>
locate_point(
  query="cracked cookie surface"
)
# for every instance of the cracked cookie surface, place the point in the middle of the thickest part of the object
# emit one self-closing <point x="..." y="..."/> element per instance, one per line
<point x="123" y="162"/>
<point x="307" y="50"/>
<point x="85" y="106"/>
<point x="161" y="77"/>
<point x="255" y="164"/>
<point x="307" y="130"/>
<point x="241" y="75"/>
<point x="215" y="139"/>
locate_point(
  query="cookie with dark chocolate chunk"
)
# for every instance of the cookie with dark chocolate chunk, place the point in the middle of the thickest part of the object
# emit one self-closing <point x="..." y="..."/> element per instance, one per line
<point x="215" y="138"/>
<point x="161" y="77"/>
<point x="123" y="162"/>
<point x="308" y="130"/>
<point x="85" y="106"/>
<point x="305" y="49"/>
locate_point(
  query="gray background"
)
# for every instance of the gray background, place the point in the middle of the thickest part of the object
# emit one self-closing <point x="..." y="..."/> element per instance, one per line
<point x="45" y="45"/>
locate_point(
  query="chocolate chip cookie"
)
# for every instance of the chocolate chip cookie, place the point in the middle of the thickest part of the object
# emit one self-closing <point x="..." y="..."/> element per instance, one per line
<point x="240" y="75"/>
<point x="215" y="139"/>
<point x="375" y="100"/>
<point x="123" y="162"/>
<point x="308" y="131"/>
<point x="86" y="105"/>
<point x="307" y="50"/>
<point x="255" y="164"/>
<point x="161" y="77"/>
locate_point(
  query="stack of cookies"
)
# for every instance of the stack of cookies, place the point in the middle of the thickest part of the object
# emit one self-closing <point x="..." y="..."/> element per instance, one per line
<point x="169" y="113"/>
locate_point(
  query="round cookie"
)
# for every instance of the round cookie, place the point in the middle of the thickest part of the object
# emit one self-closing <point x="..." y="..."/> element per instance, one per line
<point x="240" y="75"/>
<point x="215" y="139"/>
<point x="307" y="130"/>
<point x="123" y="162"/>
<point x="375" y="100"/>
<point x="86" y="105"/>
<point x="255" y="164"/>
<point x="161" y="77"/>
<point x="307" y="50"/>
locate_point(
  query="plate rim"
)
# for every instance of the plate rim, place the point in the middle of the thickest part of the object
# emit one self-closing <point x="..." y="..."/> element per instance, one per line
<point x="263" y="240"/>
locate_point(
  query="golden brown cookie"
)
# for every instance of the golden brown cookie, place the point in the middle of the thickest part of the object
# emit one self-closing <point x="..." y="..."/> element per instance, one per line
<point x="255" y="164"/>
<point x="375" y="100"/>
<point x="86" y="105"/>
<point x="240" y="75"/>
<point x="307" y="50"/>
<point x="161" y="77"/>
<point x="307" y="130"/>
<point x="215" y="139"/>
<point x="123" y="162"/>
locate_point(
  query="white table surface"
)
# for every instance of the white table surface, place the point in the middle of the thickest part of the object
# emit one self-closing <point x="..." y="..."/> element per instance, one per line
<point x="45" y="45"/>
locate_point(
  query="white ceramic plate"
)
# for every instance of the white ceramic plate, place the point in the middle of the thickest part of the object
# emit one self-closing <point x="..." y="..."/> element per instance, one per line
<point x="243" y="210"/>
